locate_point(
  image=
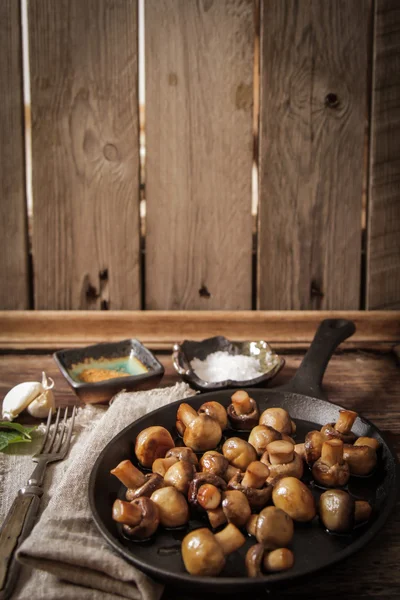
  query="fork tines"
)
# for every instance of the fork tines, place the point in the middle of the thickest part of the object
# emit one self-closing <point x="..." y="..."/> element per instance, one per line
<point x="57" y="437"/>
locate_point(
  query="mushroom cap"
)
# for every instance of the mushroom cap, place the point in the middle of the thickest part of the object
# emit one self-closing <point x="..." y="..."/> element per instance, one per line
<point x="180" y="475"/>
<point x="236" y="507"/>
<point x="253" y="560"/>
<point x="151" y="443"/>
<point x="214" y="462"/>
<point x="161" y="465"/>
<point x="244" y="422"/>
<point x="336" y="510"/>
<point x="216" y="411"/>
<point x="279" y="419"/>
<point x="294" y="497"/>
<point x="203" y="433"/>
<point x="153" y="482"/>
<point x="172" y="506"/>
<point x="183" y="453"/>
<point x="331" y="476"/>
<point x="262" y="435"/>
<point x="239" y="453"/>
<point x="257" y="498"/>
<point x="201" y="553"/>
<point x="149" y="522"/>
<point x="361" y="459"/>
<point x="313" y="446"/>
<point x="200" y="479"/>
<point x="274" y="528"/>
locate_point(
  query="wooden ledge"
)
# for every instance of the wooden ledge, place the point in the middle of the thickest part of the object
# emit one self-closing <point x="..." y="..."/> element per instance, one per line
<point x="25" y="330"/>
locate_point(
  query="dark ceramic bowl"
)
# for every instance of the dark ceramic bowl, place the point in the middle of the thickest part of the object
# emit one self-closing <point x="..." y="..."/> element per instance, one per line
<point x="183" y="354"/>
<point x="140" y="370"/>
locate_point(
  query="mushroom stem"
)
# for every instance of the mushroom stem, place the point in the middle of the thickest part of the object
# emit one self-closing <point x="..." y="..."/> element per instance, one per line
<point x="241" y="402"/>
<point x="186" y="414"/>
<point x="128" y="474"/>
<point x="300" y="450"/>
<point x="126" y="513"/>
<point x="216" y="517"/>
<point x="230" y="539"/>
<point x="367" y="441"/>
<point x="280" y="452"/>
<point x="230" y="472"/>
<point x="345" y="421"/>
<point x="161" y="465"/>
<point x="332" y="452"/>
<point x="209" y="496"/>
<point x="256" y="475"/>
<point x="362" y="511"/>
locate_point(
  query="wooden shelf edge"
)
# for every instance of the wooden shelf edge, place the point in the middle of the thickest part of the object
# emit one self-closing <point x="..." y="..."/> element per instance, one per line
<point x="21" y="330"/>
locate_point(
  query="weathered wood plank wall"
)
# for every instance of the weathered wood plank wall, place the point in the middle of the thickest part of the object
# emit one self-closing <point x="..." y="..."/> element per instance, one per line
<point x="85" y="153"/>
<point x="328" y="70"/>
<point x="383" y="267"/>
<point x="13" y="232"/>
<point x="199" y="97"/>
<point x="312" y="124"/>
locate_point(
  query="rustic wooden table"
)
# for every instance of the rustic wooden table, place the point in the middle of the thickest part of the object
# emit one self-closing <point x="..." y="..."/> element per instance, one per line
<point x="367" y="381"/>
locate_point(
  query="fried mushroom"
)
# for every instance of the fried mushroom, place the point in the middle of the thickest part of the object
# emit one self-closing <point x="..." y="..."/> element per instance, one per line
<point x="253" y="484"/>
<point x="279" y="419"/>
<point x="243" y="412"/>
<point x="216" y="463"/>
<point x="282" y="460"/>
<point x="236" y="507"/>
<point x="360" y="459"/>
<point x="201" y="431"/>
<point x="172" y="506"/>
<point x="140" y="518"/>
<point x="294" y="498"/>
<point x="151" y="443"/>
<point x="331" y="470"/>
<point x="180" y="475"/>
<point x="262" y="435"/>
<point x="203" y="552"/>
<point x="239" y="453"/>
<point x="342" y="428"/>
<point x="274" y="528"/>
<point x="216" y="411"/>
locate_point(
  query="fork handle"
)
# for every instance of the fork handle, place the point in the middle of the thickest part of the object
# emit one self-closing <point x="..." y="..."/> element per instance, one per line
<point x="16" y="527"/>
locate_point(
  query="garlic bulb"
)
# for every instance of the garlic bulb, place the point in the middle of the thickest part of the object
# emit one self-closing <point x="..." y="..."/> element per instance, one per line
<point x="29" y="393"/>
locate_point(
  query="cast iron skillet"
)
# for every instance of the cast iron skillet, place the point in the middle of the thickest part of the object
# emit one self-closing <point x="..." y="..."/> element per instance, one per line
<point x="313" y="547"/>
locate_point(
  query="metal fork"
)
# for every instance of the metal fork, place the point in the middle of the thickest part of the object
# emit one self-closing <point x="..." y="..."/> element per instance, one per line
<point x="21" y="516"/>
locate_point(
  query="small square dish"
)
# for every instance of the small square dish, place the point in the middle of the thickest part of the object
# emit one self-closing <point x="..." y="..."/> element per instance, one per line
<point x="96" y="373"/>
<point x="203" y="364"/>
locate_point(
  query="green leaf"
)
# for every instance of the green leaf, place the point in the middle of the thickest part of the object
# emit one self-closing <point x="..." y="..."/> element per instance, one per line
<point x="25" y="431"/>
<point x="13" y="433"/>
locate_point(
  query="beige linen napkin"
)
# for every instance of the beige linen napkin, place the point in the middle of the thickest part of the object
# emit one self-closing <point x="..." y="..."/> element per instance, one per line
<point x="73" y="558"/>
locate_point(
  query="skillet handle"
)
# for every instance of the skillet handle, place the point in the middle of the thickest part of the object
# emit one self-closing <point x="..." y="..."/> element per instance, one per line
<point x="308" y="379"/>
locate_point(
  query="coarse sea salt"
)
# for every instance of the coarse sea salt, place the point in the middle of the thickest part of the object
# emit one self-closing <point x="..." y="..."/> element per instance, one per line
<point x="220" y="366"/>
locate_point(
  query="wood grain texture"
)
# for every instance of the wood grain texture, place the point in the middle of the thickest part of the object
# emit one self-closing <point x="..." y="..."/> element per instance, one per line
<point x="199" y="96"/>
<point x="312" y="119"/>
<point x="85" y="149"/>
<point x="383" y="251"/>
<point x="13" y="230"/>
<point x="59" y="329"/>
